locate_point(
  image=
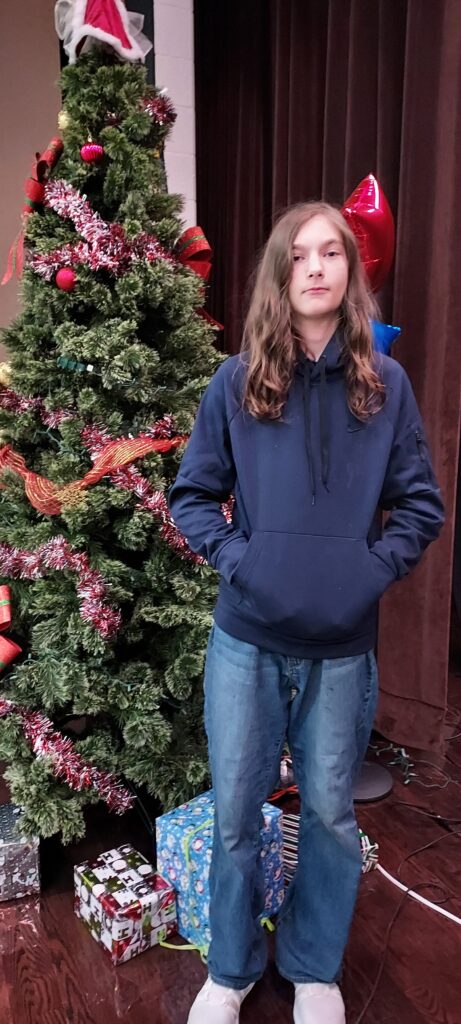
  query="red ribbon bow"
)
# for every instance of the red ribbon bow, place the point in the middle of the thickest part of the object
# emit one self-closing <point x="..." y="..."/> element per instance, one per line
<point x="194" y="251"/>
<point x="34" y="194"/>
<point x="8" y="649"/>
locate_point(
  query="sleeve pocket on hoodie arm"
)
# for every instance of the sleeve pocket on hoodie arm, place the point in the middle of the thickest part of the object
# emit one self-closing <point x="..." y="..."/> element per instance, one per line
<point x="422" y="453"/>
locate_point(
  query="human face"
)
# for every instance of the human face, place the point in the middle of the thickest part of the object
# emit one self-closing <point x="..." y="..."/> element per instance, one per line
<point x="320" y="271"/>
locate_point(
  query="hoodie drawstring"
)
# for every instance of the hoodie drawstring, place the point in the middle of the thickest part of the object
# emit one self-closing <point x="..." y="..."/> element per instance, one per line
<point x="307" y="426"/>
<point x="323" y="423"/>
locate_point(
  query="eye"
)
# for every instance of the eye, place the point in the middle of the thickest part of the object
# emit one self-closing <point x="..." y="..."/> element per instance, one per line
<point x="297" y="257"/>
<point x="333" y="252"/>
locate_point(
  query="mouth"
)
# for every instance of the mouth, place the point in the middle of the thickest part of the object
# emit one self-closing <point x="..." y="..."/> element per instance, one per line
<point x="315" y="291"/>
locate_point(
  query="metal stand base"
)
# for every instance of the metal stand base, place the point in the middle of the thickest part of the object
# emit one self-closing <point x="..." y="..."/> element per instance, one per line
<point x="373" y="783"/>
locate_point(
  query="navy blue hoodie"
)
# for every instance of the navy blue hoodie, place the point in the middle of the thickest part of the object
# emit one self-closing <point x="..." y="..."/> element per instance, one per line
<point x="304" y="561"/>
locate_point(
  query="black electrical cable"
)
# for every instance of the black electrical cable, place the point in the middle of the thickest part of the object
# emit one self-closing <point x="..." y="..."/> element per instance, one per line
<point x="421" y="885"/>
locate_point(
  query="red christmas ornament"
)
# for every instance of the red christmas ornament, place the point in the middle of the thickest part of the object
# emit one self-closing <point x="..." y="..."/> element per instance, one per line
<point x="66" y="279"/>
<point x="92" y="152"/>
<point x="368" y="214"/>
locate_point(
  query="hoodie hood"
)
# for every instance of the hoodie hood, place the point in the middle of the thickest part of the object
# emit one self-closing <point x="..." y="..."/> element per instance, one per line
<point x="331" y="359"/>
<point x="328" y="367"/>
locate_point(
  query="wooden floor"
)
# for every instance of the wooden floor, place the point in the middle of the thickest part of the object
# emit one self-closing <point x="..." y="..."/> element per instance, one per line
<point x="52" y="971"/>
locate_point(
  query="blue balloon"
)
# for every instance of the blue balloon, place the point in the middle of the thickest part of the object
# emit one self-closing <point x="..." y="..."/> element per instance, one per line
<point x="383" y="336"/>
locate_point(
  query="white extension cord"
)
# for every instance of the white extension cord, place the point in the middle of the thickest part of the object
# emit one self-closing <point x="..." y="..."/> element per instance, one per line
<point x="416" y="896"/>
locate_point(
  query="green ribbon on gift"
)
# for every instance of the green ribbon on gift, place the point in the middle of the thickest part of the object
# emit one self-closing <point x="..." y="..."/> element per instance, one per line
<point x="189" y="948"/>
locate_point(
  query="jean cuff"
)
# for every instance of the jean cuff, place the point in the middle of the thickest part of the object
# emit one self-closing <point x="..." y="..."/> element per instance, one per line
<point x="236" y="983"/>
<point x="306" y="979"/>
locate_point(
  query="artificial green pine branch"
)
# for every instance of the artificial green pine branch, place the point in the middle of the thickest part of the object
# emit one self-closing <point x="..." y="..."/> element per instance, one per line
<point x="142" y="352"/>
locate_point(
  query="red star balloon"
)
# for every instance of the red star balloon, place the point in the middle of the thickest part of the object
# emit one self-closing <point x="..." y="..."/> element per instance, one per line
<point x="368" y="214"/>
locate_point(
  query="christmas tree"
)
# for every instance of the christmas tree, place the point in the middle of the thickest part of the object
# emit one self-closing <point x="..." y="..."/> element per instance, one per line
<point x="109" y="358"/>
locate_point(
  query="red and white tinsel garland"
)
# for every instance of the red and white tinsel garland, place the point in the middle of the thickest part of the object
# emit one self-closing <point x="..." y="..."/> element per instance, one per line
<point x="59" y="554"/>
<point x="67" y="763"/>
<point x="15" y="402"/>
<point x="105" y="245"/>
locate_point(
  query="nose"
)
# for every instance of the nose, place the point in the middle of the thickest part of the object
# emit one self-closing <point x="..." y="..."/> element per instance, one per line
<point x="314" y="265"/>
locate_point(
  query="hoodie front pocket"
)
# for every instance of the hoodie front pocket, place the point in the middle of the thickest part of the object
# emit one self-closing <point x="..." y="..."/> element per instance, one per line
<point x="250" y="554"/>
<point x="308" y="586"/>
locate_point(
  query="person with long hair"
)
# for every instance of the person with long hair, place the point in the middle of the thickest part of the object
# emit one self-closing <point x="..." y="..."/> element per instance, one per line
<point x="314" y="434"/>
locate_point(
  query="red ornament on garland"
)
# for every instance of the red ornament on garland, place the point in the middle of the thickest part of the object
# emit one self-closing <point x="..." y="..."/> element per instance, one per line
<point x="92" y="152"/>
<point x="66" y="279"/>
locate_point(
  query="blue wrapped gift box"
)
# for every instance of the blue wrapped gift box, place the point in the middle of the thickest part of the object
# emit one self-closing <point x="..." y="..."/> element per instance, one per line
<point x="184" y="841"/>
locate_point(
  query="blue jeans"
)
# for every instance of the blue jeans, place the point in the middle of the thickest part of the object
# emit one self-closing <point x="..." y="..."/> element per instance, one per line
<point x="325" y="708"/>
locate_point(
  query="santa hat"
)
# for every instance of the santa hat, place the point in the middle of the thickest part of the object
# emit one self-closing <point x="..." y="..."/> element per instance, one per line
<point x="81" y="24"/>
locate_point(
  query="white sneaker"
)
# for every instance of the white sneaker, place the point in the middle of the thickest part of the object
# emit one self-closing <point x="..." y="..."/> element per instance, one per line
<point x="318" y="1003"/>
<point x="216" y="1004"/>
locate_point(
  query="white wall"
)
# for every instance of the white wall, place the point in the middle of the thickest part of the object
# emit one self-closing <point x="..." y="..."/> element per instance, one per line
<point x="174" y="70"/>
<point x="29" y="105"/>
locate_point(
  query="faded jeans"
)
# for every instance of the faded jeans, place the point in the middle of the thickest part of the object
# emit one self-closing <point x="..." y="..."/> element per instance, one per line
<point x="254" y="699"/>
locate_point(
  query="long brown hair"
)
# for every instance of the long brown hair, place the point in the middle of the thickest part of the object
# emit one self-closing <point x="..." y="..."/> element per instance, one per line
<point x="269" y="336"/>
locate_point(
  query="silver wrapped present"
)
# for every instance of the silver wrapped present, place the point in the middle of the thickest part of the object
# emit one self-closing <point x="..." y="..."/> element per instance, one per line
<point x="19" y="857"/>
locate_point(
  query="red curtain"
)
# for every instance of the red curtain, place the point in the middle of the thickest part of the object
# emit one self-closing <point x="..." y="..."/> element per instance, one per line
<point x="300" y="99"/>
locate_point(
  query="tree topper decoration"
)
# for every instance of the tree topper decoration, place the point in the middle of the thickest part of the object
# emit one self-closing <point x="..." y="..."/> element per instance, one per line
<point x="83" y="24"/>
